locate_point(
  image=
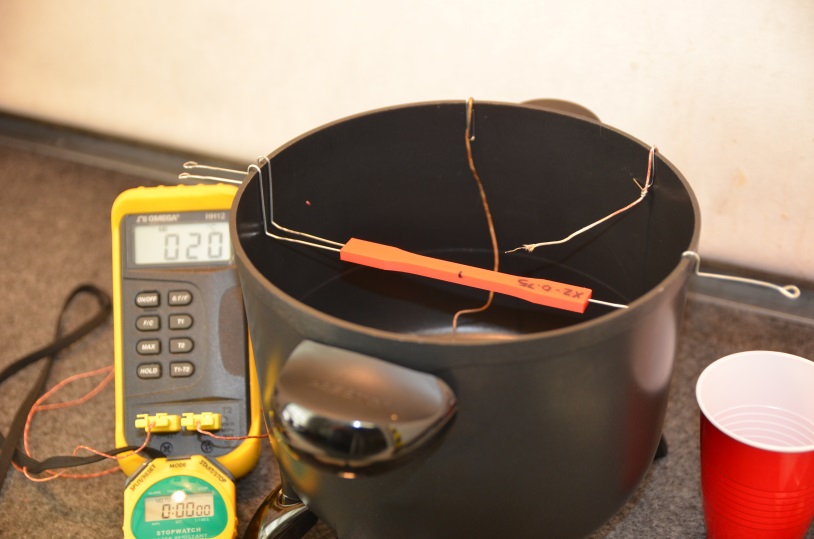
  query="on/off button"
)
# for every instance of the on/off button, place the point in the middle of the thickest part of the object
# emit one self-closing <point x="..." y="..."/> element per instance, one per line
<point x="147" y="299"/>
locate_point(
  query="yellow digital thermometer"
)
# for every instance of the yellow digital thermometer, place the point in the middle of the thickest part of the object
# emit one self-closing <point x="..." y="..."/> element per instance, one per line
<point x="191" y="498"/>
<point x="183" y="358"/>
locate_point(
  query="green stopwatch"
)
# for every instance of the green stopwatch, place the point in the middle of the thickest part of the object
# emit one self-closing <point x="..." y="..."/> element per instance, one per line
<point x="183" y="498"/>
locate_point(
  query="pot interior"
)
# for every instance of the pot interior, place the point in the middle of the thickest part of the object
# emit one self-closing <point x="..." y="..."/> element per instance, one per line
<point x="400" y="177"/>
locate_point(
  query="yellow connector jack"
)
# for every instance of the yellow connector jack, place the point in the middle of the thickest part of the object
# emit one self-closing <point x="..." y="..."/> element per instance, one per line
<point x="209" y="421"/>
<point x="163" y="422"/>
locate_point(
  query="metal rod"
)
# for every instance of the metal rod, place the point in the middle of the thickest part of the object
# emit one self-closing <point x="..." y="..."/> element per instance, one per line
<point x="268" y="217"/>
<point x="192" y="165"/>
<point x="790" y="291"/>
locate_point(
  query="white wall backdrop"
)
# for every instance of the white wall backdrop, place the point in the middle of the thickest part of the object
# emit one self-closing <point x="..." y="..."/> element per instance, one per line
<point x="724" y="88"/>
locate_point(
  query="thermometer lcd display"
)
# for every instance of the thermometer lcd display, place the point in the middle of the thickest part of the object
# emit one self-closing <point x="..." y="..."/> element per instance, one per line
<point x="181" y="243"/>
<point x="161" y="508"/>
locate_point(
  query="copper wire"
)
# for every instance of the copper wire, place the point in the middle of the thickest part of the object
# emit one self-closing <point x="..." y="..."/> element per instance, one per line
<point x="267" y="215"/>
<point x="108" y="471"/>
<point x="469" y="137"/>
<point x="219" y="437"/>
<point x="39" y="406"/>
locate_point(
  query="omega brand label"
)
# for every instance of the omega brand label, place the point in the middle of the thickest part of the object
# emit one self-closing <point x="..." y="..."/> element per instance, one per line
<point x="158" y="218"/>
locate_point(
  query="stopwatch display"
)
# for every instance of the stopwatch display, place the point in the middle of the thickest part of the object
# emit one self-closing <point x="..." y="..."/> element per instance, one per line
<point x="180" y="504"/>
<point x="192" y="498"/>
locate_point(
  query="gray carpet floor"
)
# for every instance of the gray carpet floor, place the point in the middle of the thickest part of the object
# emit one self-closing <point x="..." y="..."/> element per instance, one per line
<point x="55" y="234"/>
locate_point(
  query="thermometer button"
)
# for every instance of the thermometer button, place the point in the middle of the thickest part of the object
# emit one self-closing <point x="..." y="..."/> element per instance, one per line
<point x="180" y="297"/>
<point x="148" y="323"/>
<point x="181" y="369"/>
<point x="147" y="299"/>
<point x="180" y="321"/>
<point x="148" y="347"/>
<point x="149" y="370"/>
<point x="180" y="346"/>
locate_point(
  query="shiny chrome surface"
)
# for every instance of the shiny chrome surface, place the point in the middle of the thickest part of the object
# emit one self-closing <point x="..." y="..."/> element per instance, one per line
<point x="280" y="517"/>
<point x="346" y="411"/>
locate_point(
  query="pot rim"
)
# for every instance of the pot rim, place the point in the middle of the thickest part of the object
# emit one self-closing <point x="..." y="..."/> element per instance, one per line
<point x="606" y="322"/>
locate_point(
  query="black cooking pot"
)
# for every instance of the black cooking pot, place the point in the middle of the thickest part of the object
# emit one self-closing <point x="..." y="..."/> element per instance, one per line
<point x="529" y="421"/>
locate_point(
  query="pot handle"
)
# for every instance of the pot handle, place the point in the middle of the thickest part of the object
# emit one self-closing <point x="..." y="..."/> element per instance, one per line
<point x="349" y="412"/>
<point x="280" y="517"/>
<point x="561" y="105"/>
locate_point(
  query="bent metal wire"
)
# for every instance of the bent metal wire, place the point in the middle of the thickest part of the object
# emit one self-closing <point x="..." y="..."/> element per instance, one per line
<point x="280" y="233"/>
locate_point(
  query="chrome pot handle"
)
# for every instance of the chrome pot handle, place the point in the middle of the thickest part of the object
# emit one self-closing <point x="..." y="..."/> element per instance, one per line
<point x="352" y="413"/>
<point x="280" y="517"/>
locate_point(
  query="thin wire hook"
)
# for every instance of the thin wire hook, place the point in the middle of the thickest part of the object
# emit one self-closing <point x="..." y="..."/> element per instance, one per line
<point x="192" y="165"/>
<point x="790" y="291"/>
<point x="268" y="216"/>
<point x="644" y="190"/>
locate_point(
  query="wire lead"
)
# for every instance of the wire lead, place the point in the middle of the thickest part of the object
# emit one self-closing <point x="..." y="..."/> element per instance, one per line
<point x="192" y="165"/>
<point x="790" y="291"/>
<point x="644" y="190"/>
<point x="268" y="217"/>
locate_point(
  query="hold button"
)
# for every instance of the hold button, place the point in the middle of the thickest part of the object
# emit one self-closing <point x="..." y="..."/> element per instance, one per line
<point x="149" y="370"/>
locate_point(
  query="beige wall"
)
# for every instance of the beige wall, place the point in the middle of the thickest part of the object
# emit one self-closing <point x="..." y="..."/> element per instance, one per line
<point x="724" y="88"/>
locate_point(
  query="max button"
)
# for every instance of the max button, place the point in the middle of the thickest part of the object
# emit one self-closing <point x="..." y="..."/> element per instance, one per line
<point x="147" y="347"/>
<point x="149" y="370"/>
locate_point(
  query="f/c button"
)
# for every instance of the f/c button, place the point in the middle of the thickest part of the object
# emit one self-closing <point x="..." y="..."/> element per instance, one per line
<point x="148" y="323"/>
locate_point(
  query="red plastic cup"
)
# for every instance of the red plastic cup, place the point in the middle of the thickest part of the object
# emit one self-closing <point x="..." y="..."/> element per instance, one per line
<point x="757" y="445"/>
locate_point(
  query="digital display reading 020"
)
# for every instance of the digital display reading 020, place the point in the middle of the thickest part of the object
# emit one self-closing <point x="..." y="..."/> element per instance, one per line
<point x="174" y="507"/>
<point x="182" y="243"/>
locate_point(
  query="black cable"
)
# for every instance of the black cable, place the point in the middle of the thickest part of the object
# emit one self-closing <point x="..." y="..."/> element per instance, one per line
<point x="56" y="463"/>
<point x="9" y="450"/>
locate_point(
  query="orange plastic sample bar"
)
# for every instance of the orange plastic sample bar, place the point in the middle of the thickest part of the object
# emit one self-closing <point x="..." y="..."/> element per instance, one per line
<point x="540" y="291"/>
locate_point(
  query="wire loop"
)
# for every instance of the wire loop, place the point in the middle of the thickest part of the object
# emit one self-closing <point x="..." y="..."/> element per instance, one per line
<point x="790" y="291"/>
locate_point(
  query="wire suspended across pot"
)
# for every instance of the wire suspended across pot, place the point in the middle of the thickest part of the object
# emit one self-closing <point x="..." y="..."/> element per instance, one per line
<point x="389" y="258"/>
